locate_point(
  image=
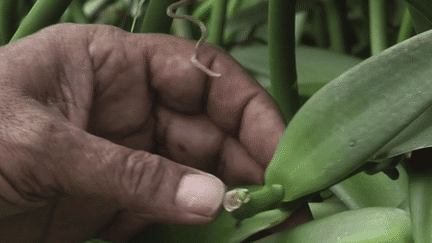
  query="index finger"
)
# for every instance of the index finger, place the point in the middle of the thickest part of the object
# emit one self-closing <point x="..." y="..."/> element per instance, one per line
<point x="235" y="102"/>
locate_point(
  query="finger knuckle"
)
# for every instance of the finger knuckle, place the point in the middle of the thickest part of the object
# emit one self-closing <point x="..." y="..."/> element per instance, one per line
<point x="142" y="173"/>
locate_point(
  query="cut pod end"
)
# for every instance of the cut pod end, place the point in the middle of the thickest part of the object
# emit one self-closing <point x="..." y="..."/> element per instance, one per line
<point x="235" y="198"/>
<point x="244" y="204"/>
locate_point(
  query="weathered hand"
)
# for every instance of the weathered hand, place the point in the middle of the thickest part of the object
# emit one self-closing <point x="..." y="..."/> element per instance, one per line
<point x="99" y="127"/>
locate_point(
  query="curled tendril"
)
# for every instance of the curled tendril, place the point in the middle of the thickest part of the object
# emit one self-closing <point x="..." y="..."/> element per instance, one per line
<point x="170" y="13"/>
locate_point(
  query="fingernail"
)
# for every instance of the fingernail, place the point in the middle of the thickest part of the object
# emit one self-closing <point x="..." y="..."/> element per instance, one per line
<point x="200" y="194"/>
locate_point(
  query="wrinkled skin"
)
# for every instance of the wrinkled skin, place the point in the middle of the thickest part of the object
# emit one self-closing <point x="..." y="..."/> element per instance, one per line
<point x="97" y="126"/>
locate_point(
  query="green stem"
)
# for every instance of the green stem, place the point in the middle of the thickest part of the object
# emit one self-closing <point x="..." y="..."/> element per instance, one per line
<point x="203" y="9"/>
<point x="42" y="14"/>
<point x="139" y="21"/>
<point x="378" y="36"/>
<point x="112" y="14"/>
<point x="137" y="13"/>
<point x="78" y="16"/>
<point x="319" y="27"/>
<point x="244" y="204"/>
<point x="234" y="7"/>
<point x="217" y="22"/>
<point x="67" y="16"/>
<point x="420" y="188"/>
<point x="7" y="19"/>
<point x="182" y="27"/>
<point x="334" y="20"/>
<point x="420" y="194"/>
<point x="282" y="56"/>
<point x="93" y="7"/>
<point x="156" y="19"/>
<point x="406" y="27"/>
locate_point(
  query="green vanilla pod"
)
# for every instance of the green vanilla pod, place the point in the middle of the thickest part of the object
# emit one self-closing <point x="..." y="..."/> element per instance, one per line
<point x="242" y="203"/>
<point x="372" y="224"/>
<point x="351" y="118"/>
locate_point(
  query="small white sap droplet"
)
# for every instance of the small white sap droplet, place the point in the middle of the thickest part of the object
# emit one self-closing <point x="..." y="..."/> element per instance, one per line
<point x="235" y="198"/>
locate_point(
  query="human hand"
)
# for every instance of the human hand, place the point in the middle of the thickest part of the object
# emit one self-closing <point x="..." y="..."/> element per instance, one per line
<point x="99" y="129"/>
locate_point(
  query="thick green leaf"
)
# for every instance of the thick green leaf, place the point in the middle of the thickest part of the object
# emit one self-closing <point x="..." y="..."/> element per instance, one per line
<point x="416" y="136"/>
<point x="421" y="12"/>
<point x="260" y="222"/>
<point x="377" y="224"/>
<point x="315" y="67"/>
<point x="247" y="17"/>
<point x="328" y="207"/>
<point x="352" y="117"/>
<point x="242" y="22"/>
<point x="253" y="57"/>
<point x="377" y="190"/>
<point x="326" y="194"/>
<point x="420" y="22"/>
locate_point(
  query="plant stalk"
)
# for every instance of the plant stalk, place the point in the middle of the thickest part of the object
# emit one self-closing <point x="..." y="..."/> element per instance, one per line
<point x="77" y="12"/>
<point x="7" y="20"/>
<point x="377" y="26"/>
<point x="182" y="27"/>
<point x="282" y="56"/>
<point x="113" y="14"/>
<point x="203" y="10"/>
<point x="91" y="8"/>
<point x="217" y="22"/>
<point x="406" y="27"/>
<point x="234" y="7"/>
<point x="334" y="20"/>
<point x="42" y="14"/>
<point x="156" y="19"/>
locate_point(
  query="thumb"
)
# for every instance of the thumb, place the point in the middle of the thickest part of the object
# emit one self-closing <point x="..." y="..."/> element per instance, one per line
<point x="146" y="184"/>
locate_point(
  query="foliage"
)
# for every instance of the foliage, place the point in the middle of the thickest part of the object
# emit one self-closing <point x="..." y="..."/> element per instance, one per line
<point x="356" y="102"/>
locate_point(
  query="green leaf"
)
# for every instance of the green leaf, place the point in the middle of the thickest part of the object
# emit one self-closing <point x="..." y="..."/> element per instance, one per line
<point x="242" y="26"/>
<point x="416" y="136"/>
<point x="377" y="224"/>
<point x="43" y="13"/>
<point x="260" y="222"/>
<point x="242" y="22"/>
<point x="352" y="117"/>
<point x="253" y="57"/>
<point x="421" y="13"/>
<point x="315" y="67"/>
<point x="377" y="190"/>
<point x="329" y="207"/>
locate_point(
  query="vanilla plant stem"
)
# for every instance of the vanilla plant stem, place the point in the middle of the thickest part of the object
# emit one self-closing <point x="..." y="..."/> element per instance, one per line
<point x="42" y="14"/>
<point x="282" y="56"/>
